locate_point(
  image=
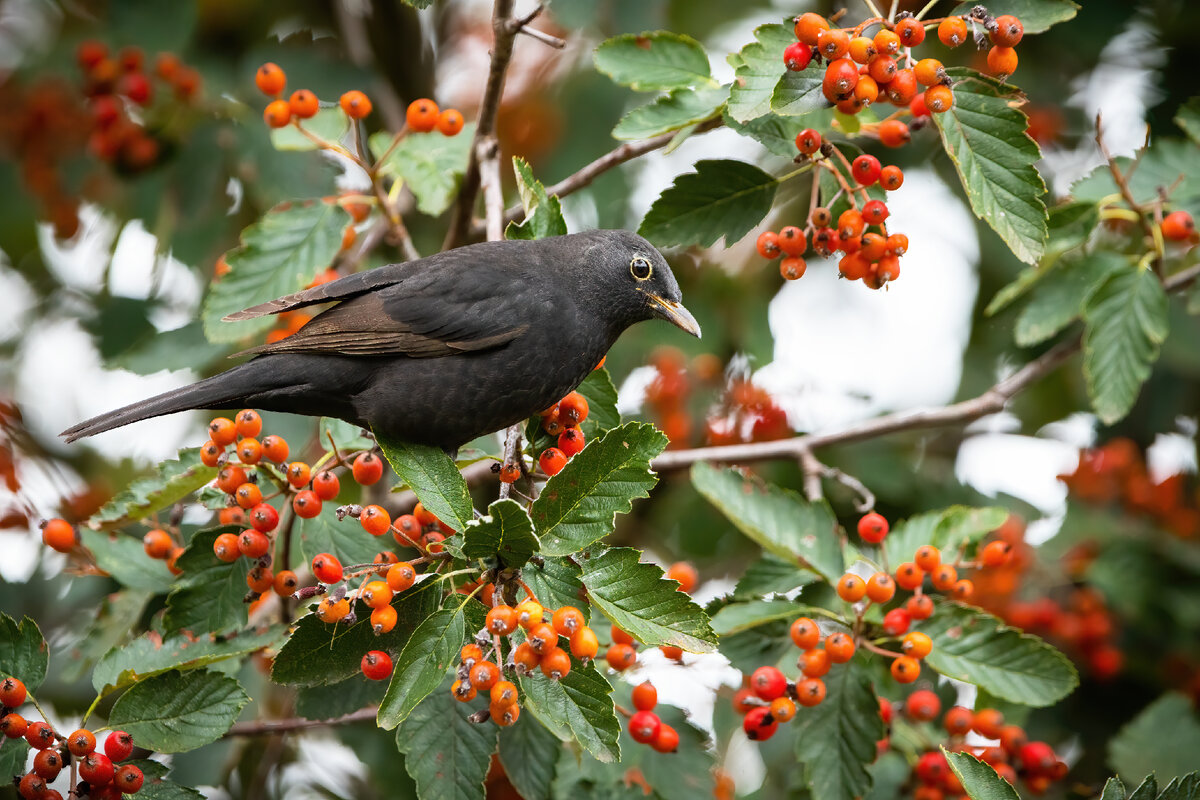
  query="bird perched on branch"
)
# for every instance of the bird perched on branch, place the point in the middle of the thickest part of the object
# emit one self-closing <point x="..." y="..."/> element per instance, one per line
<point x="445" y="349"/>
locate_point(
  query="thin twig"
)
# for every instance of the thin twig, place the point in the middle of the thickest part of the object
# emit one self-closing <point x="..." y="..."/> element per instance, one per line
<point x="512" y="453"/>
<point x="264" y="727"/>
<point x="1127" y="193"/>
<point x="812" y="470"/>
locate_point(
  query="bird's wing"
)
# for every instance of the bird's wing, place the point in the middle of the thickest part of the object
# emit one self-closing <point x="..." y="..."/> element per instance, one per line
<point x="341" y="289"/>
<point x="427" y="315"/>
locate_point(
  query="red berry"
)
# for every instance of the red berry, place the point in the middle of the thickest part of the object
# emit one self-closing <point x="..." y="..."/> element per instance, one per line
<point x="1008" y="32"/>
<point x="792" y="268"/>
<point x="81" y="742"/>
<point x="957" y="721"/>
<point x="923" y="705"/>
<point x="368" y="469"/>
<point x="874" y="212"/>
<point x="797" y="56"/>
<point x="90" y="53"/>
<point x="910" y="31"/>
<point x="645" y="696"/>
<point x="643" y="726"/>
<point x="552" y="460"/>
<point x="1178" y="226"/>
<point x="96" y="769"/>
<point x="893" y="133"/>
<point x="792" y="241"/>
<point x="768" y="683"/>
<point x="12" y="692"/>
<point x="808" y="141"/>
<point x="326" y="485"/>
<point x="58" y="534"/>
<point x="327" y="568"/>
<point x="136" y="87"/>
<point x="872" y="528"/>
<point x="759" y="725"/>
<point x="896" y="622"/>
<point x="128" y="779"/>
<point x="805" y="633"/>
<point x="891" y="178"/>
<point x="931" y="768"/>
<point x="865" y="169"/>
<point x="377" y="665"/>
<point x="570" y="442"/>
<point x="422" y="115"/>
<point x="667" y="739"/>
<point x="264" y="518"/>
<point x="768" y="244"/>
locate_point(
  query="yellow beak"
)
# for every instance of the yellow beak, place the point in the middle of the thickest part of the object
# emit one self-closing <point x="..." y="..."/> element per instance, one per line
<point x="674" y="313"/>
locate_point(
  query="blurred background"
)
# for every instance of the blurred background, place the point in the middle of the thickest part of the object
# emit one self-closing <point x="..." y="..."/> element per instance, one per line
<point x="107" y="249"/>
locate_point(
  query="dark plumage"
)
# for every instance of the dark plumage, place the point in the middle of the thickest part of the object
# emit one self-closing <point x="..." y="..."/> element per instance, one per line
<point x="444" y="349"/>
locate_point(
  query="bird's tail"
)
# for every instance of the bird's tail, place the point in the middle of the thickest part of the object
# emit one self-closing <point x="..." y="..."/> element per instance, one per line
<point x="231" y="388"/>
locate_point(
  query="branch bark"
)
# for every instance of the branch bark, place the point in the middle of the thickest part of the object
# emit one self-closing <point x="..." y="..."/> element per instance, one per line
<point x="265" y="727"/>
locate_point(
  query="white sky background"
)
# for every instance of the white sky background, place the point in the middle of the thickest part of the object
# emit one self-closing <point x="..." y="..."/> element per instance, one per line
<point x="843" y="353"/>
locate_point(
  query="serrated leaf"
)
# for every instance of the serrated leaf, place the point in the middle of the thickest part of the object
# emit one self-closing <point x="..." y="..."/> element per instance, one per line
<point x="116" y="617"/>
<point x="174" y="479"/>
<point x="1188" y="119"/>
<point x="776" y="133"/>
<point x="947" y="529"/>
<point x="637" y="598"/>
<point x="556" y="582"/>
<point x="210" y="593"/>
<point x="766" y="644"/>
<point x="434" y="478"/>
<point x="1126" y="321"/>
<point x="124" y="558"/>
<point x="676" y="110"/>
<point x="543" y="214"/>
<point x="1185" y="787"/>
<point x="330" y="123"/>
<point x="505" y="534"/>
<point x="779" y="520"/>
<point x="421" y="667"/>
<point x="150" y="654"/>
<point x="23" y="653"/>
<point x="529" y="754"/>
<point x="1058" y="299"/>
<point x="1113" y="789"/>
<point x="757" y="69"/>
<point x="430" y="164"/>
<point x="771" y="574"/>
<point x="444" y="752"/>
<point x="738" y="617"/>
<point x="799" y="93"/>
<point x="1146" y="790"/>
<point x="980" y="780"/>
<point x="345" y="538"/>
<point x="279" y="254"/>
<point x="14" y="755"/>
<point x="721" y="198"/>
<point x="577" y="708"/>
<point x="577" y="506"/>
<point x="1036" y="15"/>
<point x="317" y="653"/>
<point x="984" y="135"/>
<point x="1163" y="740"/>
<point x="973" y="646"/>
<point x="174" y="712"/>
<point x="836" y="739"/>
<point x="654" y="60"/>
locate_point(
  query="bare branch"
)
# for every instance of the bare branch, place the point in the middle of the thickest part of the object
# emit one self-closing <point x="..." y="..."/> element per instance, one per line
<point x="265" y="727"/>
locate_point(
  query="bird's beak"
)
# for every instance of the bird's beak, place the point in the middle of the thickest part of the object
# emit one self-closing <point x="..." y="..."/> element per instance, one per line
<point x="674" y="313"/>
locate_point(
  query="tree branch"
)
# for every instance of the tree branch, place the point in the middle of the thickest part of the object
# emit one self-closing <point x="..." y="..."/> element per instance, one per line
<point x="266" y="727"/>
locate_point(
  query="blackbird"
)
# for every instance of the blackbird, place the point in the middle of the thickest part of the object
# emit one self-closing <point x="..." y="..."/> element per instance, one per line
<point x="445" y="349"/>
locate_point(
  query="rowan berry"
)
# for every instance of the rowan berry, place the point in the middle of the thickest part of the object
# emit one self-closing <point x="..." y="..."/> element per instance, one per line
<point x="833" y="44"/>
<point x="331" y="611"/>
<point x="501" y="620"/>
<point x="882" y="69"/>
<point x="865" y="170"/>
<point x="952" y="31"/>
<point x="542" y="637"/>
<point x="1178" y="226"/>
<point x="854" y="266"/>
<point x="356" y="104"/>
<point x="376" y="594"/>
<point x="248" y="494"/>
<point x="252" y="544"/>
<point x="792" y="268"/>
<point x="902" y="88"/>
<point x="450" y="122"/>
<point x="529" y="613"/>
<point x="422" y="115"/>
<point x="584" y="644"/>
<point x="805" y="633"/>
<point x="263" y="517"/>
<point x="326" y="485"/>
<point x="768" y="683"/>
<point x="931" y="768"/>
<point x="89" y="53"/>
<point x="807" y="29"/>
<point x="896" y="621"/>
<point x="286" y="583"/>
<point x="820" y="218"/>
<point x="909" y="576"/>
<point x="918" y="107"/>
<point x="768" y="244"/>
<point x="157" y="543"/>
<point x="621" y="656"/>
<point x="1008" y="32"/>
<point x="840" y="647"/>
<point x="939" y="99"/>
<point x="377" y="665"/>
<point x="504" y="693"/>
<point x="375" y="520"/>
<point x="270" y="79"/>
<point x="573" y="409"/>
<point x="226" y="547"/>
<point x="873" y="247"/>
<point x="808" y="141"/>
<point x="987" y="722"/>
<point x="905" y="669"/>
<point x="383" y="619"/>
<point x="32" y="787"/>
<point x="470" y="654"/>
<point x="304" y="104"/>
<point x="118" y="745"/>
<point x="891" y="178"/>
<point x="504" y="716"/>
<point x="232" y="515"/>
<point x="432" y="543"/>
<point x="810" y="692"/>
<point x="1013" y="738"/>
<point x="552" y="460"/>
<point x="862" y="49"/>
<point x="645" y="696"/>
<point x="910" y="31"/>
<point x="851" y="588"/>
<point x="850" y="224"/>
<point x="570" y="442"/>
<point x="897" y="244"/>
<point x="995" y="554"/>
<point x="874" y="212"/>
<point x="962" y="590"/>
<point x="222" y="432"/>
<point x="327" y="568"/>
<point x="277" y="113"/>
<point x="13" y="725"/>
<point x="792" y="241"/>
<point x="230" y="478"/>
<point x="1002" y="61"/>
<point x="893" y="133"/>
<point x="555" y="663"/>
<point x="525" y="658"/>
<point x="128" y="779"/>
<point x="872" y="527"/>
<point x="552" y="425"/>
<point x="923" y="705"/>
<point x="797" y="56"/>
<point x="275" y="448"/>
<point x="12" y="693"/>
<point x="944" y="578"/>
<point x="840" y="78"/>
<point x="643" y="726"/>
<point x="407" y="530"/>
<point x="685" y="574"/>
<point x="621" y="637"/>
<point x="929" y="71"/>
<point x="919" y="607"/>
<point x="367" y="469"/>
<point x="511" y="473"/>
<point x="957" y="721"/>
<point x="916" y="644"/>
<point x="814" y="663"/>
<point x="260" y="579"/>
<point x="886" y="42"/>
<point x="928" y="557"/>
<point x="58" y="534"/>
<point x="671" y="652"/>
<point x="96" y="769"/>
<point x="881" y="588"/>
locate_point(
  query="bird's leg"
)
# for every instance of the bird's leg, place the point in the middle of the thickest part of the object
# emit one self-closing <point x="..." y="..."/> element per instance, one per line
<point x="512" y="451"/>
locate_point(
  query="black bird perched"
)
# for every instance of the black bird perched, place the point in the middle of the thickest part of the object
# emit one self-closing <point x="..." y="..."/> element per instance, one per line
<point x="448" y="348"/>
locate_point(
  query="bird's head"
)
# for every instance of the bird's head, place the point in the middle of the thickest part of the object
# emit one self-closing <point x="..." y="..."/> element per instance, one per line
<point x="636" y="281"/>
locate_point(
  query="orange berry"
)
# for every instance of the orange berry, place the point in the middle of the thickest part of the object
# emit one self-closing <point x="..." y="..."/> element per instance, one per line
<point x="226" y="547"/>
<point x="555" y="663"/>
<point x="952" y="31"/>
<point x="270" y="79"/>
<point x="944" y="578"/>
<point x="1178" y="226"/>
<point x="939" y="99"/>
<point x="1002" y="61"/>
<point x="1009" y="31"/>
<point x="304" y="104"/>
<point x="567" y="620"/>
<point x="840" y="648"/>
<point x="584" y="644"/>
<point x="851" y="588"/>
<point x="58" y="534"/>
<point x="862" y="49"/>
<point x="401" y="576"/>
<point x="484" y="675"/>
<point x="645" y="696"/>
<point x="809" y="26"/>
<point x="881" y="588"/>
<point x="504" y="694"/>
<point x="810" y="692"/>
<point x="893" y="133"/>
<point x="805" y="633"/>
<point x="157" y="543"/>
<point x="450" y="122"/>
<point x="298" y="474"/>
<point x="887" y="43"/>
<point x="277" y="113"/>
<point x="792" y="268"/>
<point x="286" y="583"/>
<point x="422" y="115"/>
<point x="356" y="104"/>
<point x="927" y="70"/>
<point x="621" y="656"/>
<point x="962" y="590"/>
<point x="376" y="594"/>
<point x="783" y="709"/>
<point x="928" y="557"/>
<point x="910" y="31"/>
<point x="275" y="448"/>
<point x="814" y="663"/>
<point x="685" y="573"/>
<point x="916" y="644"/>
<point x="905" y="669"/>
<point x="501" y="620"/>
<point x="375" y="520"/>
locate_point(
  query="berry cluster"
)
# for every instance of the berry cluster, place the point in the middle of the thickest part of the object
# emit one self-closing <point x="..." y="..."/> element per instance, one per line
<point x="645" y="726"/>
<point x="102" y="778"/>
<point x="560" y="421"/>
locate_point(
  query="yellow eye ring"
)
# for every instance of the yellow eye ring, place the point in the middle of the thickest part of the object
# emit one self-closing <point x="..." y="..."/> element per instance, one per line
<point x="641" y="268"/>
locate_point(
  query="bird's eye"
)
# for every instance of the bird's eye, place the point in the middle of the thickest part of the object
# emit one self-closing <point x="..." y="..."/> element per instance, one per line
<point x="640" y="268"/>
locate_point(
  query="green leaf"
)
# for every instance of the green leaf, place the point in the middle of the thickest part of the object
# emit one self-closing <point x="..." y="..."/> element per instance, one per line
<point x="444" y="752"/>
<point x="738" y="617"/>
<point x="686" y="774"/>
<point x="771" y="574"/>
<point x="418" y="4"/>
<point x="174" y="712"/>
<point x="836" y="739"/>
<point x="1113" y="790"/>
<point x="765" y="644"/>
<point x="345" y="435"/>
<point x="116" y="617"/>
<point x="972" y="646"/>
<point x="543" y="214"/>
<point x="601" y="394"/>
<point x="799" y="93"/>
<point x="776" y="133"/>
<point x="150" y="654"/>
<point x="123" y="557"/>
<point x="157" y="787"/>
<point x="505" y="534"/>
<point x="435" y="479"/>
<point x="432" y="165"/>
<point x="1188" y="119"/>
<point x="721" y="198"/>
<point x="23" y="653"/>
<point x="1147" y="790"/>
<point x="980" y="780"/>
<point x="676" y="110"/>
<point x="338" y="699"/>
<point x="1036" y="15"/>
<point x="577" y="507"/>
<point x="1161" y="164"/>
<point x="210" y="595"/>
<point x="529" y="754"/>
<point x="278" y="255"/>
<point x="174" y="479"/>
<point x="179" y="348"/>
<point x="330" y="123"/>
<point x="556" y="582"/>
<point x="14" y="754"/>
<point x="655" y="60"/>
<point x="1126" y="323"/>
<point x="421" y="666"/>
<point x="1058" y="300"/>
<point x="578" y="708"/>
<point x="779" y="520"/>
<point x="757" y="69"/>
<point x="984" y="135"/>
<point x="1193" y="299"/>
<point x="1185" y="787"/>
<point x="318" y="653"/>
<point x="1163" y="740"/>
<point x="947" y="530"/>
<point x="346" y="539"/>
<point x="637" y="598"/>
